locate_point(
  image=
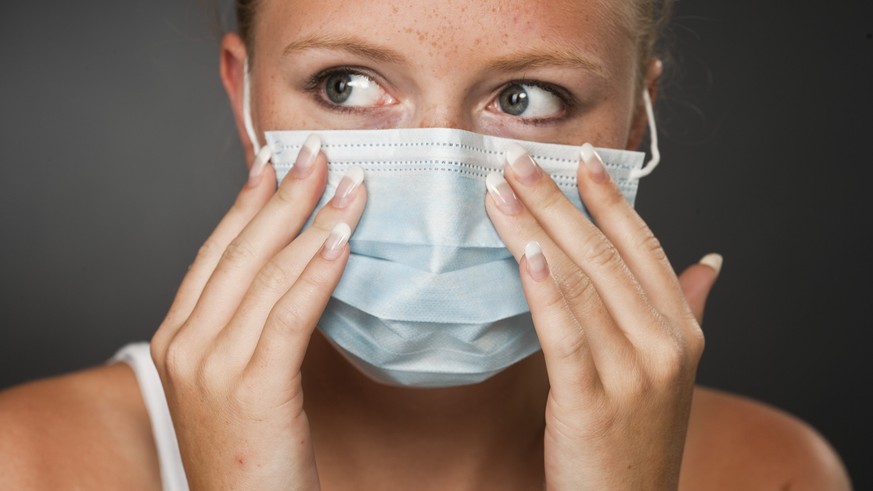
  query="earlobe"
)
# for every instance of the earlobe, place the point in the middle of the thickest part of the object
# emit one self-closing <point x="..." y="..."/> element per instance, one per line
<point x="232" y="66"/>
<point x="640" y="121"/>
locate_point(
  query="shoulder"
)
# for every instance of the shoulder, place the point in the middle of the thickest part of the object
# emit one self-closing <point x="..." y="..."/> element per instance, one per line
<point x="83" y="430"/>
<point x="740" y="443"/>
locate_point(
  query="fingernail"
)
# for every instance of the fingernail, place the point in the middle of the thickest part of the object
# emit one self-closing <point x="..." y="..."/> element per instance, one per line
<point x="713" y="260"/>
<point x="261" y="160"/>
<point x="346" y="188"/>
<point x="335" y="242"/>
<point x="522" y="164"/>
<point x="502" y="194"/>
<point x="537" y="266"/>
<point x="593" y="164"/>
<point x="306" y="157"/>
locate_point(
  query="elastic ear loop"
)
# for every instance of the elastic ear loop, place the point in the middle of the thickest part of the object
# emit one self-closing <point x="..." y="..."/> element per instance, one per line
<point x="262" y="154"/>
<point x="653" y="138"/>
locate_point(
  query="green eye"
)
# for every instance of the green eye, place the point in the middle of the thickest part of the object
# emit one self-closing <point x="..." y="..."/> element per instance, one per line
<point x="514" y="100"/>
<point x="352" y="89"/>
<point x="529" y="101"/>
<point x="338" y="88"/>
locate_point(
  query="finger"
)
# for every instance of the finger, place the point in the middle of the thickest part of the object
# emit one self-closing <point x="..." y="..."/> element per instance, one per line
<point x="237" y="341"/>
<point x="577" y="236"/>
<point x="281" y="347"/>
<point x="569" y="361"/>
<point x="697" y="281"/>
<point x="267" y="233"/>
<point x="517" y="226"/>
<point x="249" y="201"/>
<point x="635" y="242"/>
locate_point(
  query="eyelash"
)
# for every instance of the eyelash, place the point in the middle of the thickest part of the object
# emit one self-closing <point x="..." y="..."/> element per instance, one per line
<point x="315" y="87"/>
<point x="568" y="102"/>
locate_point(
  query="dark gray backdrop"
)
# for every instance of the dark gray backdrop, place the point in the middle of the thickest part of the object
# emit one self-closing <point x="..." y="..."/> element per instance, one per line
<point x="119" y="156"/>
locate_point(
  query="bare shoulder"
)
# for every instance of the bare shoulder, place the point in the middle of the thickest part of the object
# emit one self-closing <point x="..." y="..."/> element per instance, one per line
<point x="738" y="443"/>
<point x="83" y="430"/>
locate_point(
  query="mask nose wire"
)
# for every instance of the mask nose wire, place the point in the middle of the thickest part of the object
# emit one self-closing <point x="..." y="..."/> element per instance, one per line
<point x="653" y="139"/>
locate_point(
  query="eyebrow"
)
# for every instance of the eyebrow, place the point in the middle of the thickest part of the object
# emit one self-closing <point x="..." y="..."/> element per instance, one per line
<point x="557" y="57"/>
<point x="345" y="43"/>
<point x="562" y="58"/>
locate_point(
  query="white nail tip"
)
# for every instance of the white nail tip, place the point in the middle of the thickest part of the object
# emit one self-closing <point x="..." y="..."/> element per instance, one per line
<point x="261" y="159"/>
<point x="713" y="260"/>
<point x="587" y="152"/>
<point x="312" y="144"/>
<point x="493" y="181"/>
<point x="355" y="175"/>
<point x="514" y="151"/>
<point x="532" y="249"/>
<point x="340" y="233"/>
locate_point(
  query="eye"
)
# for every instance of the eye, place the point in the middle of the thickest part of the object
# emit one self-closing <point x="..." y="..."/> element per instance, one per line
<point x="529" y="101"/>
<point x="352" y="89"/>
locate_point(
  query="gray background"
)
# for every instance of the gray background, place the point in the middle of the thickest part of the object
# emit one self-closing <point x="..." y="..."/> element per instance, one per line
<point x="119" y="156"/>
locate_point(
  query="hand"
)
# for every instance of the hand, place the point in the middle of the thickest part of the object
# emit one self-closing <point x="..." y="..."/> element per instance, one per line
<point x="620" y="341"/>
<point x="230" y="349"/>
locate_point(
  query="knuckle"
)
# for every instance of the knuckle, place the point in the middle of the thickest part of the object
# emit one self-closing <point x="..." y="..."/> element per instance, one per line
<point x="650" y="244"/>
<point x="575" y="287"/>
<point x="211" y="373"/>
<point x="601" y="253"/>
<point x="238" y="251"/>
<point x="288" y="319"/>
<point x="158" y="346"/>
<point x="274" y="277"/>
<point x="177" y="362"/>
<point x="677" y="357"/>
<point x="208" y="250"/>
<point x="552" y="199"/>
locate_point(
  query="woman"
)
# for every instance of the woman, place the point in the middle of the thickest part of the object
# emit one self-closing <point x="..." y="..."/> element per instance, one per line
<point x="609" y="402"/>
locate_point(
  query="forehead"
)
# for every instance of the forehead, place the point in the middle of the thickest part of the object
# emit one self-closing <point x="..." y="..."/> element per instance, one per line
<point x="458" y="30"/>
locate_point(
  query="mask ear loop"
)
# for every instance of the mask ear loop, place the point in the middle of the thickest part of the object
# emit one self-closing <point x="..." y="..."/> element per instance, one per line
<point x="262" y="154"/>
<point x="653" y="138"/>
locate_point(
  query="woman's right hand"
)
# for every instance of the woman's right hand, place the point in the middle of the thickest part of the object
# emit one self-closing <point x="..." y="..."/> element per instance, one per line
<point x="230" y="349"/>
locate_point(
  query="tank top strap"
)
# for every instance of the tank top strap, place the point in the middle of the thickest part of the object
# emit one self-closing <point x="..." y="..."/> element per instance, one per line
<point x="138" y="356"/>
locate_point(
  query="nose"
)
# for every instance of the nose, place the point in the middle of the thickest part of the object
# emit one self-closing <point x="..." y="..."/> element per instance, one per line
<point x="447" y="112"/>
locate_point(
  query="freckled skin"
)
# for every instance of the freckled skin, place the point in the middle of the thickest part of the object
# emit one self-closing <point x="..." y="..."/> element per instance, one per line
<point x="447" y="47"/>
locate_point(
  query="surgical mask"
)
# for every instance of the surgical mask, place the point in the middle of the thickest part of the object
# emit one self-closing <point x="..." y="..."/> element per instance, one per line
<point x="430" y="296"/>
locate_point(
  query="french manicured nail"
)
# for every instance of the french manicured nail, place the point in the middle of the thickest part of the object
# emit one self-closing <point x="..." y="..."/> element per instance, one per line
<point x="593" y="164"/>
<point x="335" y="242"/>
<point x="347" y="186"/>
<point x="502" y="194"/>
<point x="522" y="164"/>
<point x="306" y="157"/>
<point x="537" y="266"/>
<point x="713" y="260"/>
<point x="261" y="160"/>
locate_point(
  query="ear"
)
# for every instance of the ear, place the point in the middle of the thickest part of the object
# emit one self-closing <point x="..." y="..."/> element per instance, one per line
<point x="640" y="122"/>
<point x="232" y="66"/>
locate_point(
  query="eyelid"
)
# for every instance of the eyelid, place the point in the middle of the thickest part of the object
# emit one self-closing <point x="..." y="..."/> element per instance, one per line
<point x="314" y="86"/>
<point x="568" y="101"/>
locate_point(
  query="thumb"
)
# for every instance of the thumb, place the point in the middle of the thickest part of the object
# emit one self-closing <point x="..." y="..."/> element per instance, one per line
<point x="697" y="281"/>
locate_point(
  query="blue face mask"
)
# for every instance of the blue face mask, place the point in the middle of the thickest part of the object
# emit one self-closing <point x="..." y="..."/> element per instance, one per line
<point x="430" y="296"/>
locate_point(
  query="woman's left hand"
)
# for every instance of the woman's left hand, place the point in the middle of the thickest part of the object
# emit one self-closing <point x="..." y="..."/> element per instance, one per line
<point x="621" y="342"/>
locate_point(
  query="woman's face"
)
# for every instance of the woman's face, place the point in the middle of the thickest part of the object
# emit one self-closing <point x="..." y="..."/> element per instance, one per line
<point x="561" y="71"/>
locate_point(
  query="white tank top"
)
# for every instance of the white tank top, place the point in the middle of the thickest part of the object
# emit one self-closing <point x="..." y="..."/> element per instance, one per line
<point x="137" y="355"/>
